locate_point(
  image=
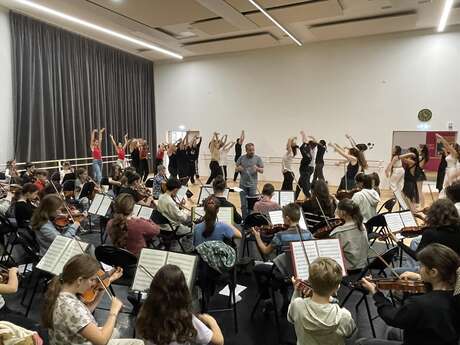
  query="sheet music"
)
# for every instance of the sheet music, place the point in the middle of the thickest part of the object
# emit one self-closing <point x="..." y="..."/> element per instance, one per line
<point x="136" y="209"/>
<point x="331" y="248"/>
<point x="181" y="193"/>
<point x="276" y="217"/>
<point x="186" y="263"/>
<point x="152" y="260"/>
<point x="145" y="212"/>
<point x="286" y="197"/>
<point x="96" y="203"/>
<point x="408" y="219"/>
<point x="394" y="221"/>
<point x="72" y="250"/>
<point x="53" y="254"/>
<point x="105" y="205"/>
<point x="198" y="212"/>
<point x="225" y="215"/>
<point x="205" y="192"/>
<point x="299" y="262"/>
<point x="276" y="196"/>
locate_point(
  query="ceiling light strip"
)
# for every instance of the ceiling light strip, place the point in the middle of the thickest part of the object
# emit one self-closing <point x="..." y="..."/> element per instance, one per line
<point x="445" y="15"/>
<point x="260" y="8"/>
<point x="98" y="28"/>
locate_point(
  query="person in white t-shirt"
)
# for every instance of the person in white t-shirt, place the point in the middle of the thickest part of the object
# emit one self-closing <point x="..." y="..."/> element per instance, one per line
<point x="166" y="316"/>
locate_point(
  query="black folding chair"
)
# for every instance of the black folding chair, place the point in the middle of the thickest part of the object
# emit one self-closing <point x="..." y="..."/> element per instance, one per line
<point x="167" y="237"/>
<point x="388" y="205"/>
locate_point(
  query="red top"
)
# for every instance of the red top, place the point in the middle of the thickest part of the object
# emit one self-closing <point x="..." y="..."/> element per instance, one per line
<point x="121" y="154"/>
<point x="140" y="231"/>
<point x="160" y="154"/>
<point x="40" y="185"/>
<point x="97" y="153"/>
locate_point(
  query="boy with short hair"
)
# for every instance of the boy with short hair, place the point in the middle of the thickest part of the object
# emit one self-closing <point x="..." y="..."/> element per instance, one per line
<point x="317" y="321"/>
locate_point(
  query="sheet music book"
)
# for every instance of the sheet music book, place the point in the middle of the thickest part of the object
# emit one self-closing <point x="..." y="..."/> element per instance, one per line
<point x="315" y="248"/>
<point x="276" y="217"/>
<point x="100" y="205"/>
<point x="206" y="191"/>
<point x="142" y="211"/>
<point x="285" y="197"/>
<point x="153" y="259"/>
<point x="225" y="214"/>
<point x="399" y="220"/>
<point x="60" y="251"/>
<point x="181" y="193"/>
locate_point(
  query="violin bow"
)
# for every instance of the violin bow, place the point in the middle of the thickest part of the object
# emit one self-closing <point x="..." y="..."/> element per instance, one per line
<point x="431" y="192"/>
<point x="78" y="242"/>
<point x="146" y="271"/>
<point x="322" y="212"/>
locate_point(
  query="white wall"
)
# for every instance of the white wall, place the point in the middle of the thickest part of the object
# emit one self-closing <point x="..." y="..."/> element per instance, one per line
<point x="366" y="87"/>
<point x="6" y="95"/>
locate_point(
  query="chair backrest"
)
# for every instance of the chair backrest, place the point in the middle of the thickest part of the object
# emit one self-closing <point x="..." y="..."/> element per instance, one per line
<point x="388" y="205"/>
<point x="158" y="218"/>
<point x="114" y="256"/>
<point x="376" y="222"/>
<point x="312" y="219"/>
<point x="149" y="182"/>
<point x="251" y="200"/>
<point x="255" y="219"/>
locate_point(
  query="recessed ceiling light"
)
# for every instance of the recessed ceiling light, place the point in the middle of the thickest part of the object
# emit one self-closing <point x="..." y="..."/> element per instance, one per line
<point x="261" y="9"/>
<point x="445" y="14"/>
<point x="182" y="127"/>
<point x="98" y="28"/>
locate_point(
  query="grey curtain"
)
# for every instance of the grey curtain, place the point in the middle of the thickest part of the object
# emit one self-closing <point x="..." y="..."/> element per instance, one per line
<point x="64" y="85"/>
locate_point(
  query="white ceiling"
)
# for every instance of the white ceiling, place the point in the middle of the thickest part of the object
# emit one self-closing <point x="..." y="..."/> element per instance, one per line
<point x="201" y="27"/>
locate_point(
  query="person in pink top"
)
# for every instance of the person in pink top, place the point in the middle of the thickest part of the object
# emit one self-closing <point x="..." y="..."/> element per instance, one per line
<point x="129" y="232"/>
<point x="96" y="152"/>
<point x="266" y="204"/>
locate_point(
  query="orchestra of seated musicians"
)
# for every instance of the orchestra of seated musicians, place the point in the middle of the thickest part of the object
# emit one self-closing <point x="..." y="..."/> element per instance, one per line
<point x="42" y="207"/>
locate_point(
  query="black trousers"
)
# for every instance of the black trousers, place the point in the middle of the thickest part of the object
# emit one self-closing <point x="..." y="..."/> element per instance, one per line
<point x="144" y="169"/>
<point x="304" y="182"/>
<point x="288" y="179"/>
<point x="215" y="171"/>
<point x="318" y="172"/>
<point x="224" y="168"/>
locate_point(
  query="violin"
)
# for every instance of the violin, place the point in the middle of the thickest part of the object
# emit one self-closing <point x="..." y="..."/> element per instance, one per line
<point x="271" y="229"/>
<point x="346" y="194"/>
<point x="412" y="231"/>
<point x="395" y="284"/>
<point x="63" y="219"/>
<point x="323" y="229"/>
<point x="103" y="278"/>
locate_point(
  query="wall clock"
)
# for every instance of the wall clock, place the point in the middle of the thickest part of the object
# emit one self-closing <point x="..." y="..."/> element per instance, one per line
<point x="425" y="115"/>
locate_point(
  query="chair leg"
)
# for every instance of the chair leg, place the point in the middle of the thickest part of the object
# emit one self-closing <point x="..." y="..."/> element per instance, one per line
<point x="371" y="321"/>
<point x="235" y="318"/>
<point x="255" y="306"/>
<point x="275" y="309"/>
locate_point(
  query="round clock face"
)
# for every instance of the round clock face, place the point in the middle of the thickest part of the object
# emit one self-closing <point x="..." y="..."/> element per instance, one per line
<point x="425" y="115"/>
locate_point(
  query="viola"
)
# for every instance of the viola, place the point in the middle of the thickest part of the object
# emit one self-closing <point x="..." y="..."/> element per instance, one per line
<point x="346" y="194"/>
<point x="104" y="278"/>
<point x="271" y="229"/>
<point x="395" y="284"/>
<point x="324" y="229"/>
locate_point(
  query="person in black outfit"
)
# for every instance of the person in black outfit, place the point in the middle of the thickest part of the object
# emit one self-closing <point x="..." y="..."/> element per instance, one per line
<point x="319" y="161"/>
<point x="426" y="319"/>
<point x="194" y="156"/>
<point x="135" y="158"/>
<point x="24" y="205"/>
<point x="442" y="225"/>
<point x="305" y="170"/>
<point x="320" y="196"/>
<point x="238" y="152"/>
<point x="441" y="171"/>
<point x="172" y="164"/>
<point x="218" y="186"/>
<point x="182" y="160"/>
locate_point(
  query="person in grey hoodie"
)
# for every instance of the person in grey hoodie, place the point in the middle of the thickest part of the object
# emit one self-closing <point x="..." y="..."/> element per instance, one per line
<point x="352" y="235"/>
<point x="368" y="198"/>
<point x="316" y="320"/>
